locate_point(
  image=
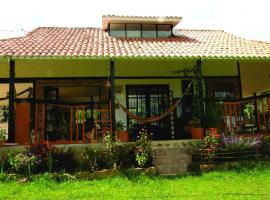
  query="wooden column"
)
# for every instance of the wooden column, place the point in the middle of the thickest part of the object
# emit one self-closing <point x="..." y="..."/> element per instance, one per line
<point x="112" y="93"/>
<point x="11" y="109"/>
<point x="198" y="77"/>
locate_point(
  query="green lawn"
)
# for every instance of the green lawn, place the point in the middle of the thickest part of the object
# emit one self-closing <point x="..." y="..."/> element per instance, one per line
<point x="251" y="184"/>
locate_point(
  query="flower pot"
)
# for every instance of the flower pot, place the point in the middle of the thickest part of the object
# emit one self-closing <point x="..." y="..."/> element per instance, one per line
<point x="123" y="136"/>
<point x="2" y="143"/>
<point x="197" y="133"/>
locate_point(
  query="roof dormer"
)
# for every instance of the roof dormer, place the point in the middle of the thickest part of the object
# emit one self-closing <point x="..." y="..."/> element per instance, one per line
<point x="136" y="27"/>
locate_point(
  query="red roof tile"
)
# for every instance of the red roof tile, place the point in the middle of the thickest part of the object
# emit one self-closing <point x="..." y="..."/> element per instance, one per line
<point x="93" y="42"/>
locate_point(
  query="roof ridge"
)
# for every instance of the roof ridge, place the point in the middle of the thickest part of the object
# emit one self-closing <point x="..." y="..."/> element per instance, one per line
<point x="186" y="29"/>
<point x="146" y="17"/>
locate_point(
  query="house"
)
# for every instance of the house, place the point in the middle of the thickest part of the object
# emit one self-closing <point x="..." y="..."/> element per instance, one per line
<point x="68" y="84"/>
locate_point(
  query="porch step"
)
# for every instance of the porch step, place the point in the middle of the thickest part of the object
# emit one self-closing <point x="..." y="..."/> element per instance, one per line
<point x="174" y="160"/>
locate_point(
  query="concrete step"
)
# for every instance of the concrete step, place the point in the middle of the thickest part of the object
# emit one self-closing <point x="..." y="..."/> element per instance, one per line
<point x="172" y="160"/>
<point x="170" y="151"/>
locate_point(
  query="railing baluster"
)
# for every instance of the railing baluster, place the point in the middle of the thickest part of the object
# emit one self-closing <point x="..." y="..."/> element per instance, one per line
<point x="71" y="124"/>
<point x="83" y="125"/>
<point x="258" y="115"/>
<point x="263" y="111"/>
<point x="43" y="122"/>
<point x="77" y="126"/>
<point x="36" y="123"/>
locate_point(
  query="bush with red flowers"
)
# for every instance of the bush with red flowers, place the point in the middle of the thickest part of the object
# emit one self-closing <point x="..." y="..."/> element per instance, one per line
<point x="143" y="150"/>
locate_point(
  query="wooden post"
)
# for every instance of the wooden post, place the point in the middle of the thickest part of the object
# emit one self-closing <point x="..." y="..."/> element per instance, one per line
<point x="11" y="109"/>
<point x="112" y="93"/>
<point x="198" y="77"/>
<point x="71" y="123"/>
<point x="257" y="113"/>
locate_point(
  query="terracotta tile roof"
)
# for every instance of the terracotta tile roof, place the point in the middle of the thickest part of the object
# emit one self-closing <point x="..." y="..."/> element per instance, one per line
<point x="93" y="42"/>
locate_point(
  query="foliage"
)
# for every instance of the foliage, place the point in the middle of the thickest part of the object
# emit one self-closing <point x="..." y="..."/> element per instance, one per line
<point x="234" y="142"/>
<point x="210" y="144"/>
<point x="143" y="151"/>
<point x="7" y="161"/>
<point x="63" y="160"/>
<point x="109" y="151"/>
<point x="120" y="126"/>
<point x="249" y="110"/>
<point x="3" y="134"/>
<point x="126" y="156"/>
<point x="42" y="152"/>
<point x="214" y="114"/>
<point x="96" y="158"/>
<point x="90" y="157"/>
<point x="196" y="122"/>
<point x="25" y="162"/>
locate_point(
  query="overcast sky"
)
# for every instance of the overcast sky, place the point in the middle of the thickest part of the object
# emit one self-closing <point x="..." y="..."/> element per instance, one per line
<point x="246" y="18"/>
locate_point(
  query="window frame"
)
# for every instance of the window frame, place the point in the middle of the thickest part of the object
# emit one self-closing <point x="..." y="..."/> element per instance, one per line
<point x="141" y="30"/>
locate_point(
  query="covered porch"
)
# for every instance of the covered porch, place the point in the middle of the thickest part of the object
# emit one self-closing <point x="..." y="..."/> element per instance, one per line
<point x="78" y="100"/>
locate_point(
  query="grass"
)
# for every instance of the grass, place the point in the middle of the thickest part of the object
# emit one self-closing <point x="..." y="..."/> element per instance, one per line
<point x="248" y="184"/>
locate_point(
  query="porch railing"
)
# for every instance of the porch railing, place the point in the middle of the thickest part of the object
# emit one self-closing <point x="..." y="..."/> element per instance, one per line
<point x="60" y="123"/>
<point x="248" y="115"/>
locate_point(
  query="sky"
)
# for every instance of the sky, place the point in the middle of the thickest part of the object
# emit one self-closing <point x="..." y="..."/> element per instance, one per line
<point x="246" y="18"/>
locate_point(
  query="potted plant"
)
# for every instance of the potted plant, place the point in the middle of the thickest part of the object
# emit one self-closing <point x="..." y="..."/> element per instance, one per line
<point x="122" y="134"/>
<point x="214" y="114"/>
<point x="3" y="136"/>
<point x="196" y="125"/>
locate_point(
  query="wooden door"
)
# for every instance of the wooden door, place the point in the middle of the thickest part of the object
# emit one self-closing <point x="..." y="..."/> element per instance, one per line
<point x="22" y="122"/>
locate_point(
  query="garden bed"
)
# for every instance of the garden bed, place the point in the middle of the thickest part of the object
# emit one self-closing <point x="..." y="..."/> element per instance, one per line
<point x="84" y="175"/>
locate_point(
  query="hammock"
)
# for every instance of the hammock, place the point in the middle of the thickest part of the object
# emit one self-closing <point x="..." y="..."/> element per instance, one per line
<point x="155" y="118"/>
<point x="30" y="90"/>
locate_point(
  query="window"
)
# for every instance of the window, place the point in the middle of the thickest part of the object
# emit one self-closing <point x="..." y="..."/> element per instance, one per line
<point x="133" y="30"/>
<point x="222" y="88"/>
<point x="117" y="30"/>
<point x="141" y="30"/>
<point x="164" y="30"/>
<point x="149" y="30"/>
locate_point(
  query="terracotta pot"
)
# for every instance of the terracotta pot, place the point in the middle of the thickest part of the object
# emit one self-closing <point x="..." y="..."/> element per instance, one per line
<point x="197" y="133"/>
<point x="123" y="136"/>
<point x="2" y="143"/>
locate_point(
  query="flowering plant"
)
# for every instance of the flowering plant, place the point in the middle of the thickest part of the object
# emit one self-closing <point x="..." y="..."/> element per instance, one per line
<point x="211" y="143"/>
<point x="143" y="151"/>
<point x="233" y="142"/>
<point x="25" y="162"/>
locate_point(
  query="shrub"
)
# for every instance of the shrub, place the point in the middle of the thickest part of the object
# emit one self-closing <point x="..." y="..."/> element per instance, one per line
<point x="143" y="150"/>
<point x="234" y="142"/>
<point x="64" y="160"/>
<point x="210" y="144"/>
<point x="7" y="161"/>
<point x="121" y="156"/>
<point x="3" y="134"/>
<point x="90" y="158"/>
<point x="43" y="153"/>
<point x="126" y="156"/>
<point x="24" y="163"/>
